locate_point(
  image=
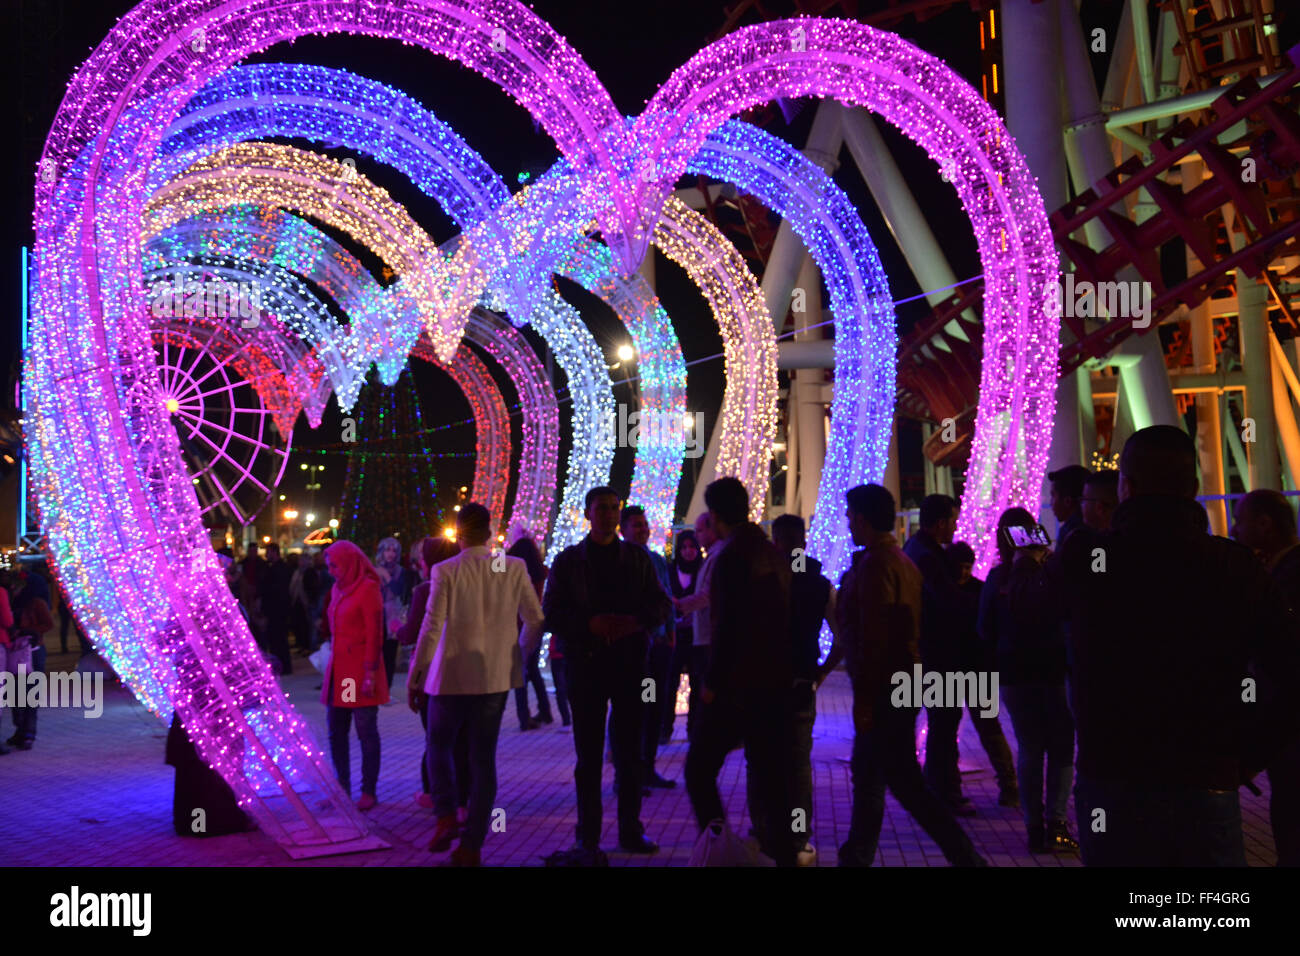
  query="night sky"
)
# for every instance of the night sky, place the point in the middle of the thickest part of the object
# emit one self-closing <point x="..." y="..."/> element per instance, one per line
<point x="633" y="48"/>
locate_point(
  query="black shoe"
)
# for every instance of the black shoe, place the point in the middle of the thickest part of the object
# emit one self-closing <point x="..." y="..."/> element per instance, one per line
<point x="1037" y="840"/>
<point x="565" y="722"/>
<point x="540" y="719"/>
<point x="529" y="725"/>
<point x="663" y="783"/>
<point x="639" y="845"/>
<point x="1009" y="797"/>
<point x="963" y="808"/>
<point x="3" y="750"/>
<point x="27" y="745"/>
<point x="15" y="740"/>
<point x="1059" y="839"/>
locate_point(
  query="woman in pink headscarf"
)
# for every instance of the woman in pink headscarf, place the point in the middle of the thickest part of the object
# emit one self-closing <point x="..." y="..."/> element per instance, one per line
<point x="355" y="684"/>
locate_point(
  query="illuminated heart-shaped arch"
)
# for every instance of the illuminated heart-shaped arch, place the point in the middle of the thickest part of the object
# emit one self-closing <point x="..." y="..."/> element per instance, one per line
<point x="122" y="523"/>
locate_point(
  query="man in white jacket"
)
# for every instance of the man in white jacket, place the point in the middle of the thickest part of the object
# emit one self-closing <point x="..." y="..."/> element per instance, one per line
<point x="469" y="655"/>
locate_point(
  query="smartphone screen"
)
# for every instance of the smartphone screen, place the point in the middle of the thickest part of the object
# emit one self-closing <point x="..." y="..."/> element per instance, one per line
<point x="1020" y="536"/>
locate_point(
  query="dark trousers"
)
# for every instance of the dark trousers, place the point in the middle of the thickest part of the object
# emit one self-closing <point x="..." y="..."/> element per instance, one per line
<point x="699" y="666"/>
<point x="885" y="756"/>
<point x="659" y="663"/>
<point x="339" y="722"/>
<point x="25" y="717"/>
<point x="1125" y="824"/>
<point x="533" y="678"/>
<point x="681" y="664"/>
<point x="301" y="625"/>
<point x="608" y="681"/>
<point x="804" y="711"/>
<point x="941" y="772"/>
<point x="277" y="642"/>
<point x="1044" y="729"/>
<point x="994" y="742"/>
<point x="390" y="659"/>
<point x="762" y="723"/>
<point x="560" y="675"/>
<point x="461" y="761"/>
<point x="476" y="717"/>
<point x="1284" y="805"/>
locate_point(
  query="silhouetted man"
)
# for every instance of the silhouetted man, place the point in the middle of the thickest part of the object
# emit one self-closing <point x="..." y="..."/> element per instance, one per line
<point x="1067" y="499"/>
<point x="879" y="606"/>
<point x="945" y="615"/>
<point x="1266" y="524"/>
<point x="812" y="601"/>
<point x="273" y="589"/>
<point x="602" y="599"/>
<point x="1100" y="499"/>
<point x="1171" y="628"/>
<point x="698" y="606"/>
<point x="635" y="528"/>
<point x="749" y="682"/>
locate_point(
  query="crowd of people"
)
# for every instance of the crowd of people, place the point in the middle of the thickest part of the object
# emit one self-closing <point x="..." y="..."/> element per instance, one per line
<point x="1173" y="703"/>
<point x="1166" y="659"/>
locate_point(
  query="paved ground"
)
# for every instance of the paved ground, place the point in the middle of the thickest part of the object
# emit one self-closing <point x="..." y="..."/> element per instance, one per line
<point x="96" y="792"/>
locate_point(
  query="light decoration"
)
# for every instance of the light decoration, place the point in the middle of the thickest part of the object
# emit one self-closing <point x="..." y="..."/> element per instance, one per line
<point x="540" y="451"/>
<point x="289" y="380"/>
<point x="932" y="105"/>
<point x="260" y="101"/>
<point x="275" y="175"/>
<point x="286" y="239"/>
<point x="115" y="501"/>
<point x="866" y="344"/>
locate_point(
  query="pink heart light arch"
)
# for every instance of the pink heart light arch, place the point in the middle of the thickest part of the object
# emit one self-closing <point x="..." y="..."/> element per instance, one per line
<point x="120" y="513"/>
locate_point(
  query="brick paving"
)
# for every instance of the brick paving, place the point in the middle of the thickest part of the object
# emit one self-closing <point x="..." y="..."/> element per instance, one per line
<point x="97" y="793"/>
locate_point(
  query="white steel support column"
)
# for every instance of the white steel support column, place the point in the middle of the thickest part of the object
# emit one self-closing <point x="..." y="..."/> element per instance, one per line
<point x="806" y="389"/>
<point x="1031" y="46"/>
<point x="1257" y="363"/>
<point x="1146" y="386"/>
<point x="780" y="274"/>
<point x="898" y="207"/>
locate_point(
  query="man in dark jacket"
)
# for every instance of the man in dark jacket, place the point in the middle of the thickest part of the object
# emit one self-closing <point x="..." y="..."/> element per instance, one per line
<point x="879" y="606"/>
<point x="945" y="612"/>
<point x="273" y="588"/>
<point x="749" y="680"/>
<point x="602" y="599"/>
<point x="1266" y="524"/>
<point x="1186" y="669"/>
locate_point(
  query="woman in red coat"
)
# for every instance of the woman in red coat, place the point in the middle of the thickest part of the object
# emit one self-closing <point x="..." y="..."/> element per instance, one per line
<point x="354" y="683"/>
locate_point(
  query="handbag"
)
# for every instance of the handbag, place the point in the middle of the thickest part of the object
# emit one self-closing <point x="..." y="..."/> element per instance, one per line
<point x="719" y="845"/>
<point x="320" y="658"/>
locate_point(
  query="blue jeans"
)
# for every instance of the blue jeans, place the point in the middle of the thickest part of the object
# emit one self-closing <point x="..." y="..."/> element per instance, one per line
<point x="884" y="757"/>
<point x="1044" y="728"/>
<point x="479" y="717"/>
<point x="339" y="722"/>
<point x="1149" y="825"/>
<point x="25" y="717"/>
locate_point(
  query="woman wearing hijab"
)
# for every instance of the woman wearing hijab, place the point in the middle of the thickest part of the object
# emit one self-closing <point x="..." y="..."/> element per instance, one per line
<point x="397" y="583"/>
<point x="683" y="574"/>
<point x="354" y="684"/>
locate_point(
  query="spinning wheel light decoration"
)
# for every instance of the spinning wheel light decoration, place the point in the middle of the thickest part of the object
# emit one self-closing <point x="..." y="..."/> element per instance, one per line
<point x="120" y="514"/>
<point x="228" y="434"/>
